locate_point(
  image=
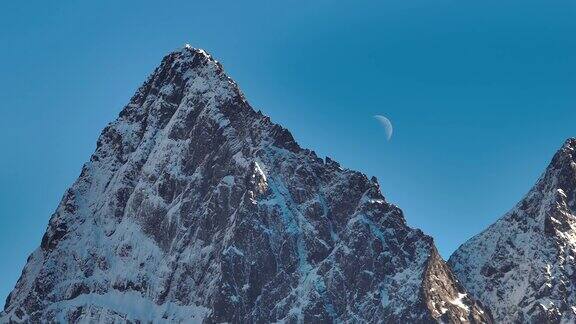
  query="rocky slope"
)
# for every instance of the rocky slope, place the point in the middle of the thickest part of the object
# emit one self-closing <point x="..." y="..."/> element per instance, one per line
<point x="196" y="208"/>
<point x="523" y="266"/>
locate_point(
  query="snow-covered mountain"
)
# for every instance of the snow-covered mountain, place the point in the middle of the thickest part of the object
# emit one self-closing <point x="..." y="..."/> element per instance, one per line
<point x="196" y="208"/>
<point x="522" y="267"/>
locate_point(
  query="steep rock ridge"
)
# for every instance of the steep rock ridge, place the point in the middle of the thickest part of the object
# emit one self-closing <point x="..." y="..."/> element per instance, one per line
<point x="196" y="208"/>
<point x="522" y="266"/>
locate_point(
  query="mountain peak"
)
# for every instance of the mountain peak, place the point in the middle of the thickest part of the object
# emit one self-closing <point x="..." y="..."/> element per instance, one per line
<point x="187" y="48"/>
<point x="196" y="208"/>
<point x="565" y="157"/>
<point x="522" y="266"/>
<point x="570" y="143"/>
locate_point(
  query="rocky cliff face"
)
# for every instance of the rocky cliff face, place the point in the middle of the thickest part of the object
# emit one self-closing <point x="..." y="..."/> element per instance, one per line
<point x="196" y="208"/>
<point x="523" y="267"/>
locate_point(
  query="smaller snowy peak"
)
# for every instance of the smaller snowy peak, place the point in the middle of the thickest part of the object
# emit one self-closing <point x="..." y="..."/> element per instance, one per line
<point x="522" y="266"/>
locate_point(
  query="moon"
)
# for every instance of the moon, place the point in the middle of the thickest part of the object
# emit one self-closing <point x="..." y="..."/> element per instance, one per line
<point x="387" y="125"/>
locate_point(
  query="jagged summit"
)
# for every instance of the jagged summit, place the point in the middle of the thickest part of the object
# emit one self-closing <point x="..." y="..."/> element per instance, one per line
<point x="566" y="156"/>
<point x="570" y="143"/>
<point x="523" y="266"/>
<point x="196" y="208"/>
<point x="189" y="49"/>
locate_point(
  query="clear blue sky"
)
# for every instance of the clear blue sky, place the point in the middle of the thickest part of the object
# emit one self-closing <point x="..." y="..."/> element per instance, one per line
<point x="481" y="94"/>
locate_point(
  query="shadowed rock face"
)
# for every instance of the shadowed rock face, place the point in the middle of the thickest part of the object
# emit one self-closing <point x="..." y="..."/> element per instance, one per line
<point x="195" y="207"/>
<point x="522" y="267"/>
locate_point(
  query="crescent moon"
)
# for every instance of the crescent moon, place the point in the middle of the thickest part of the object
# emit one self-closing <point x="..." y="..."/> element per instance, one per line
<point x="387" y="125"/>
